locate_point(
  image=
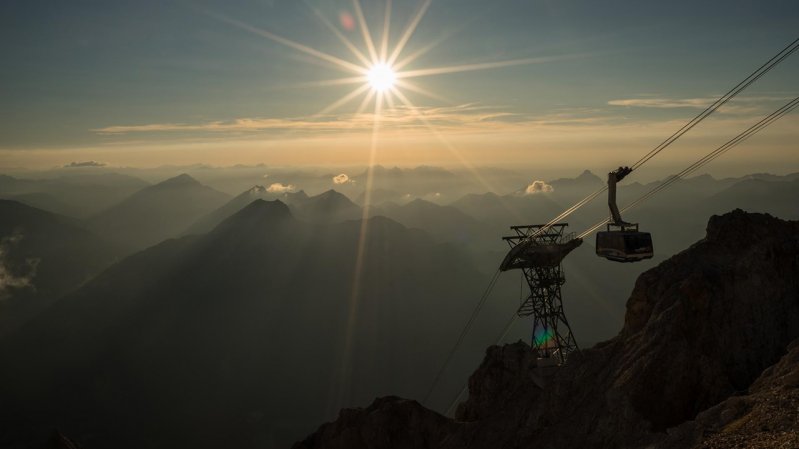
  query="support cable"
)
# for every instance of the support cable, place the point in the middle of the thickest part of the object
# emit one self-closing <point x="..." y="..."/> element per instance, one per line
<point x="754" y="76"/>
<point x="464" y="332"/>
<point x="463" y="390"/>
<point x="754" y="129"/>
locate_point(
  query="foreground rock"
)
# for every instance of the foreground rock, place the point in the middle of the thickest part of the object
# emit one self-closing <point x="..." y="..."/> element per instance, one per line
<point x="702" y="361"/>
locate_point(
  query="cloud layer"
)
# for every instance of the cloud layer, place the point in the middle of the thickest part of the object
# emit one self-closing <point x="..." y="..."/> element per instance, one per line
<point x="399" y="117"/>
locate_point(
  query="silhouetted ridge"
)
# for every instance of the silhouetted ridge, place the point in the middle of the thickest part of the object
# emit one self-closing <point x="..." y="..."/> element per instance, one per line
<point x="258" y="214"/>
<point x="585" y="179"/>
<point x="327" y="207"/>
<point x="157" y="212"/>
<point x="19" y="211"/>
<point x="332" y="197"/>
<point x="179" y="180"/>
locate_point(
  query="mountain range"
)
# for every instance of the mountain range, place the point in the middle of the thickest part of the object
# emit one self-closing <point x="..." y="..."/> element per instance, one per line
<point x="157" y="212"/>
<point x="249" y="266"/>
<point x="75" y="195"/>
<point x="195" y="341"/>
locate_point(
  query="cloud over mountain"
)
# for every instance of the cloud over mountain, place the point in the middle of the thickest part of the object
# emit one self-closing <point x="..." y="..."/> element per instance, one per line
<point x="279" y="187"/>
<point x="538" y="187"/>
<point x="342" y="179"/>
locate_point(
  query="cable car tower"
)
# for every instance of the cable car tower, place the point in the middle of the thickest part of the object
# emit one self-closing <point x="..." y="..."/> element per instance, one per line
<point x="538" y="250"/>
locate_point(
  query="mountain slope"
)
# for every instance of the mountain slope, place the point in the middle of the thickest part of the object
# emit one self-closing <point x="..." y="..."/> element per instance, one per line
<point x="757" y="195"/>
<point x="212" y="219"/>
<point x="42" y="257"/>
<point x="447" y="223"/>
<point x="700" y="328"/>
<point x="194" y="342"/>
<point x="327" y="207"/>
<point x="157" y="212"/>
<point x="76" y="195"/>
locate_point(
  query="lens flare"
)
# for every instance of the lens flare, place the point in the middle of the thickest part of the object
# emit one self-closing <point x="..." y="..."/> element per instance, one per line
<point x="381" y="77"/>
<point x="542" y="335"/>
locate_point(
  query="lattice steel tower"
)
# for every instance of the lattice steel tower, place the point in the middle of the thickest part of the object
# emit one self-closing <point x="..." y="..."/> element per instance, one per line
<point x="538" y="250"/>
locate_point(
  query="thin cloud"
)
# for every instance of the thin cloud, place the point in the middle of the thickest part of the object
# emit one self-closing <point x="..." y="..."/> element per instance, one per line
<point x="84" y="164"/>
<point x="399" y="117"/>
<point x="663" y="103"/>
<point x="744" y="105"/>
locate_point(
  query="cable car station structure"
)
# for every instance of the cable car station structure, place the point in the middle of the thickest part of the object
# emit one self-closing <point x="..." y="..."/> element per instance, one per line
<point x="538" y="250"/>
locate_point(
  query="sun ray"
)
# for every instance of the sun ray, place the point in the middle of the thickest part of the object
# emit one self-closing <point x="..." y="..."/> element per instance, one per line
<point x="343" y="100"/>
<point x="419" y="90"/>
<point x="366" y="100"/>
<point x="289" y="43"/>
<point x="341" y="37"/>
<point x="408" y="32"/>
<point x="454" y="151"/>
<point x="417" y="54"/>
<point x="399" y="65"/>
<point x="479" y="66"/>
<point x="332" y="82"/>
<point x="389" y="99"/>
<point x="386" y="25"/>
<point x="360" y="255"/>
<point x="367" y="36"/>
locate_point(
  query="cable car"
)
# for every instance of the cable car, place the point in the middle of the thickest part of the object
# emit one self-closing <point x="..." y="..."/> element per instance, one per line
<point x="626" y="244"/>
<point x="622" y="242"/>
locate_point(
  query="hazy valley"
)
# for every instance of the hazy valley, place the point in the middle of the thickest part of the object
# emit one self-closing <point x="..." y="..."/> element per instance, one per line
<point x="184" y="314"/>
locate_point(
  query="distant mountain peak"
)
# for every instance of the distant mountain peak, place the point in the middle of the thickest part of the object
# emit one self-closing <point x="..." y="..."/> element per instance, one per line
<point x="182" y="179"/>
<point x="329" y="192"/>
<point x="261" y="206"/>
<point x="587" y="177"/>
<point x="257" y="190"/>
<point x="422" y="203"/>
<point x="331" y="196"/>
<point x="259" y="213"/>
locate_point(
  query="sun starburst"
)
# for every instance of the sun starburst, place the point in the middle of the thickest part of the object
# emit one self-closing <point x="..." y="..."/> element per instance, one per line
<point x="378" y="70"/>
<point x="381" y="77"/>
<point x="380" y="74"/>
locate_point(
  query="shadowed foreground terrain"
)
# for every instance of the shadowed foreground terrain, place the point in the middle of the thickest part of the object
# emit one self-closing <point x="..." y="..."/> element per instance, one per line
<point x="708" y="357"/>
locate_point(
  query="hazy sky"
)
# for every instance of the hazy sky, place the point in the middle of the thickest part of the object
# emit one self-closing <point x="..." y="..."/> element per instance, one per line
<point x="579" y="83"/>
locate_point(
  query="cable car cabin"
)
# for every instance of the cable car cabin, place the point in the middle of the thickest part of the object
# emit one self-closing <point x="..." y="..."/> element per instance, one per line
<point x="624" y="245"/>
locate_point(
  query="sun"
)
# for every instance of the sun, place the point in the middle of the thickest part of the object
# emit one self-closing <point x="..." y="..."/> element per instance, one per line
<point x="381" y="71"/>
<point x="381" y="77"/>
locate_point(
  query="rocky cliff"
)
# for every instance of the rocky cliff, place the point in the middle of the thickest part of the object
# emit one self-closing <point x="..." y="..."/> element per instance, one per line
<point x="705" y="359"/>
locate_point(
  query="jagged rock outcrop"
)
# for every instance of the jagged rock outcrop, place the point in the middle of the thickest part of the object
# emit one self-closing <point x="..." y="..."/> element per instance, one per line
<point x="767" y="417"/>
<point x="385" y="423"/>
<point x="507" y="373"/>
<point x="701" y="329"/>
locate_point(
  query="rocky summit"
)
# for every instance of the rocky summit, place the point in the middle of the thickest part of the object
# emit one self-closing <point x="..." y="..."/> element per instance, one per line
<point x="708" y="357"/>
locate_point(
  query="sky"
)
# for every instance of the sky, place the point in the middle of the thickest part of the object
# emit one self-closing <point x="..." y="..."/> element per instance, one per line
<point x="526" y="83"/>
